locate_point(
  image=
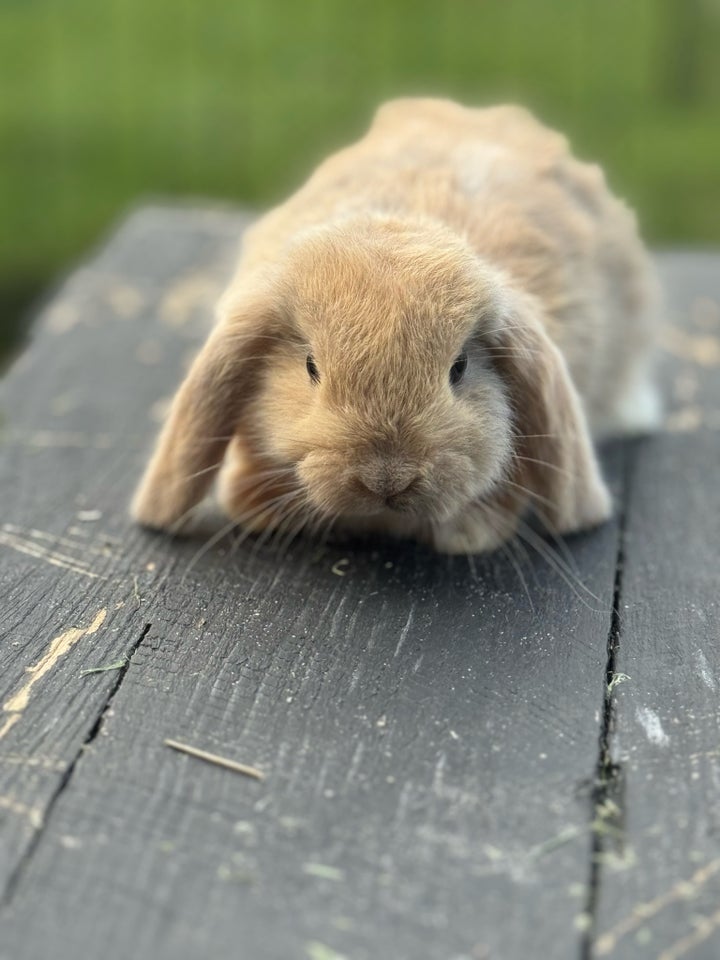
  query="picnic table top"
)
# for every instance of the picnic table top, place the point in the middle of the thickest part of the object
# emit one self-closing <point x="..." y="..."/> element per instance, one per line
<point x="487" y="759"/>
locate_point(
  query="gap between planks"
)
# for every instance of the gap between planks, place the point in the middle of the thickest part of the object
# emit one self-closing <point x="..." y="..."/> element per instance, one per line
<point x="607" y="814"/>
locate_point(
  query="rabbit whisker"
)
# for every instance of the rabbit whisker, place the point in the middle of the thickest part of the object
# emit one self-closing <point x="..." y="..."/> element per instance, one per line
<point x="263" y="479"/>
<point x="208" y="545"/>
<point x="289" y="512"/>
<point x="265" y="506"/>
<point x="220" y="439"/>
<point x="565" y="571"/>
<point x="491" y="513"/>
<point x="544" y="463"/>
<point x="295" y="526"/>
<point x="200" y="473"/>
<point x="280" y="506"/>
<point x="557" y="539"/>
<point x="529" y="493"/>
<point x="557" y="563"/>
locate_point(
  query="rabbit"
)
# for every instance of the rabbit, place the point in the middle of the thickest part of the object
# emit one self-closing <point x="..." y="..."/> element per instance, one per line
<point x="424" y="341"/>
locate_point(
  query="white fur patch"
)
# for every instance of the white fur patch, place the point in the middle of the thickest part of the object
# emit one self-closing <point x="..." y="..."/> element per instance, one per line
<point x="640" y="410"/>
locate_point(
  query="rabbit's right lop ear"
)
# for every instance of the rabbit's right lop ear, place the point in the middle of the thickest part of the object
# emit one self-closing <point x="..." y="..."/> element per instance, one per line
<point x="555" y="453"/>
<point x="204" y="415"/>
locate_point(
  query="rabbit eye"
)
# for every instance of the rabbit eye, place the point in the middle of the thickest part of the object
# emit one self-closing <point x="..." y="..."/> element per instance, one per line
<point x="457" y="370"/>
<point x="312" y="369"/>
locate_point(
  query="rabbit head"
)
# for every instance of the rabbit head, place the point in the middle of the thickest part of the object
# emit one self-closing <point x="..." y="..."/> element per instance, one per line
<point x="391" y="372"/>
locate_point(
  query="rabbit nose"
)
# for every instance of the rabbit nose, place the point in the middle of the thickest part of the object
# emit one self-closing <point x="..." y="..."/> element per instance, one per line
<point x="387" y="480"/>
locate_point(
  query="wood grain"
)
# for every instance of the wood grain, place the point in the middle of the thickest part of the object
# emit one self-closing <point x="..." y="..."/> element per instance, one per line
<point x="661" y="888"/>
<point x="76" y="419"/>
<point x="428" y="728"/>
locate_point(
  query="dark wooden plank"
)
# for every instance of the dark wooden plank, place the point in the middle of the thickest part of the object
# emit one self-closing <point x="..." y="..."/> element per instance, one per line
<point x="428" y="727"/>
<point x="75" y="424"/>
<point x="660" y="895"/>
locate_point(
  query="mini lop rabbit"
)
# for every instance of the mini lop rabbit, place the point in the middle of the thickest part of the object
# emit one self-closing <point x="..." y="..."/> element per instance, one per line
<point x="423" y="340"/>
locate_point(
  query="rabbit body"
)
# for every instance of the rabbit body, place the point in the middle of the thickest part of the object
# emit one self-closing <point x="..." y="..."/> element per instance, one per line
<point x="424" y="340"/>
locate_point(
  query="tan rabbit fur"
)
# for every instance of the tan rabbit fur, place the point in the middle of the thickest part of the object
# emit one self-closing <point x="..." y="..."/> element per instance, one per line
<point x="423" y="340"/>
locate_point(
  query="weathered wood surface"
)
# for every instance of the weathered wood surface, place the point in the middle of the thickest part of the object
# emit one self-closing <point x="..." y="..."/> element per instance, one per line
<point x="430" y="730"/>
<point x="660" y="895"/>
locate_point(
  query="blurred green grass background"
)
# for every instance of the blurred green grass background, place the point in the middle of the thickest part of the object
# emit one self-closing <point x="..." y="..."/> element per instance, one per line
<point x="104" y="103"/>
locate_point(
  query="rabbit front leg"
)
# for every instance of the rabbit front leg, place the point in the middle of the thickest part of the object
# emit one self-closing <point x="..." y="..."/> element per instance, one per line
<point x="481" y="528"/>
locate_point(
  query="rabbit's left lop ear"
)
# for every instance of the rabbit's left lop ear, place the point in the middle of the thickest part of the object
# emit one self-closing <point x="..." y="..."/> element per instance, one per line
<point x="205" y="413"/>
<point x="555" y="458"/>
